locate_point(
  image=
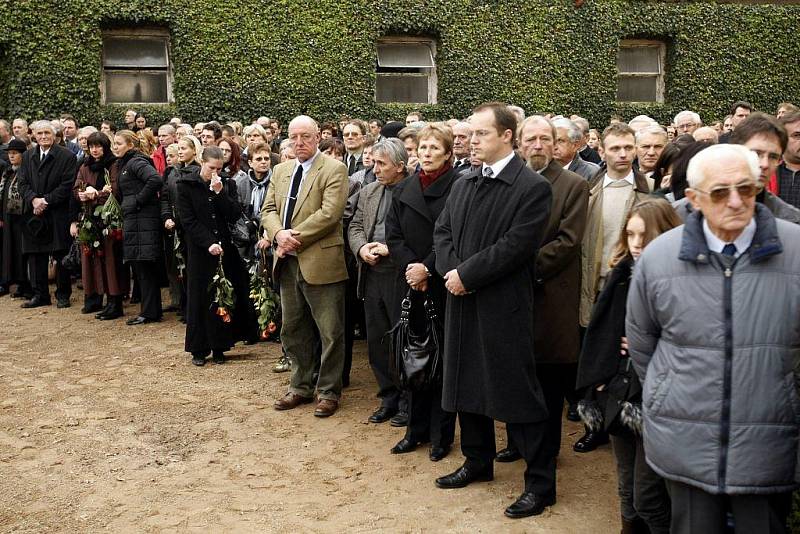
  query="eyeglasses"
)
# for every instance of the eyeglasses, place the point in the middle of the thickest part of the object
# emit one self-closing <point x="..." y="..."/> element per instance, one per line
<point x="721" y="193"/>
<point x="260" y="159"/>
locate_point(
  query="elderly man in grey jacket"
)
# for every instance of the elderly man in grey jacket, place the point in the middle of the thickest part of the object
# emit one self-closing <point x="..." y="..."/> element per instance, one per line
<point x="712" y="330"/>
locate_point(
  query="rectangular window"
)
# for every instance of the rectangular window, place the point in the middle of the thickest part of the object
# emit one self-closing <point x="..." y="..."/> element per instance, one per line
<point x="640" y="71"/>
<point x="406" y="71"/>
<point x="136" y="67"/>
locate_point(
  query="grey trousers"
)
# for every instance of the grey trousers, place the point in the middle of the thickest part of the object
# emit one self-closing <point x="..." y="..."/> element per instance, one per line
<point x="642" y="493"/>
<point x="305" y="305"/>
<point x="697" y="511"/>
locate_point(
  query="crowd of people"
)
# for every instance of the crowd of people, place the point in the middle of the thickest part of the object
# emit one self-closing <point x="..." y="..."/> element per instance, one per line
<point x="641" y="278"/>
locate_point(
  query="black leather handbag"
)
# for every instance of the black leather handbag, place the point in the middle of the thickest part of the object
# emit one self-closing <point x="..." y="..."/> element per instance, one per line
<point x="72" y="260"/>
<point x="416" y="347"/>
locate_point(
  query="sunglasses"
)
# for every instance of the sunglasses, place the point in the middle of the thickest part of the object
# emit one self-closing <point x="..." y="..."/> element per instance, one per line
<point x="744" y="190"/>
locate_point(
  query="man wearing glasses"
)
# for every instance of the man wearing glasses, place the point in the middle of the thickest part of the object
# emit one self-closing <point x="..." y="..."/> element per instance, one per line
<point x="712" y="330"/>
<point x="353" y="137"/>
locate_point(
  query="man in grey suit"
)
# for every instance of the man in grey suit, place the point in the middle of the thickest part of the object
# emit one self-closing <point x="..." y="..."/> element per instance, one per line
<point x="377" y="273"/>
<point x="568" y="142"/>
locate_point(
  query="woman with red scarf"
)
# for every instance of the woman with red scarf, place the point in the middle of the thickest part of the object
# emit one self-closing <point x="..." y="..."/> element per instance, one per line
<point x="416" y="204"/>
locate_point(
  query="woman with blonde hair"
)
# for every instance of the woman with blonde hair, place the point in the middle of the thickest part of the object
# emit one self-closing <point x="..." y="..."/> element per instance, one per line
<point x="613" y="401"/>
<point x="147" y="142"/>
<point x="139" y="186"/>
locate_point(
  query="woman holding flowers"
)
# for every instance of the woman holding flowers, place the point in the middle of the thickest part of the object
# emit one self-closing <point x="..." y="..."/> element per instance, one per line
<point x="218" y="310"/>
<point x="98" y="227"/>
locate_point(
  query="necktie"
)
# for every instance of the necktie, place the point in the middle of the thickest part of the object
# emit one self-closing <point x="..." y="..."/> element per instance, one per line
<point x="351" y="166"/>
<point x="295" y="188"/>
<point x="729" y="250"/>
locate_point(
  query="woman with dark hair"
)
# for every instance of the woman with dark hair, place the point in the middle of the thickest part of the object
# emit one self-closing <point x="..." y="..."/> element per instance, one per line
<point x="417" y="201"/>
<point x="139" y="186"/>
<point x="333" y="147"/>
<point x="662" y="173"/>
<point x="102" y="271"/>
<point x="13" y="270"/>
<point x="207" y="205"/>
<point x="613" y="401"/>
<point x="678" y="182"/>
<point x="140" y="122"/>
<point x="232" y="159"/>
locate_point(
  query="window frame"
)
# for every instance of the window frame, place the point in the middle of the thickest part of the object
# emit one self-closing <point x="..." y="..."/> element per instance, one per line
<point x="136" y="34"/>
<point x="659" y="76"/>
<point x="431" y="74"/>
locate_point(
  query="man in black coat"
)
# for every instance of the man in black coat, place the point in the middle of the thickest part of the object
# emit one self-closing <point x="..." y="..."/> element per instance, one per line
<point x="45" y="182"/>
<point x="486" y="241"/>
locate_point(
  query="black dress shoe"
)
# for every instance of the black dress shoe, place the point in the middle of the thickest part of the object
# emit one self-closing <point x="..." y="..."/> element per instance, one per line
<point x="382" y="414"/>
<point x="199" y="361"/>
<point x="140" y="320"/>
<point x="92" y="308"/>
<point x="463" y="476"/>
<point x="590" y="441"/>
<point x="437" y="453"/>
<point x="404" y="445"/>
<point x="529" y="504"/>
<point x="63" y="303"/>
<point x="35" y="302"/>
<point x="400" y="419"/>
<point x="508" y="454"/>
<point x="572" y="413"/>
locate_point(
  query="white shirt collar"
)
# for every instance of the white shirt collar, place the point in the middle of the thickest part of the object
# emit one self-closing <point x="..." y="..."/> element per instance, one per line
<point x="498" y="166"/>
<point x="741" y="243"/>
<point x="608" y="180"/>
<point x="306" y="164"/>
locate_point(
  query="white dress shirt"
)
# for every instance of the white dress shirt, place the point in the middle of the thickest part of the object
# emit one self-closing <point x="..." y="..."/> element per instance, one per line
<point x="498" y="166"/>
<point x="741" y="243"/>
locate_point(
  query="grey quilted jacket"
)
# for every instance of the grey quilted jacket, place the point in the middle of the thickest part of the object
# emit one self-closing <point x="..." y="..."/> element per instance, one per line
<point x="716" y="343"/>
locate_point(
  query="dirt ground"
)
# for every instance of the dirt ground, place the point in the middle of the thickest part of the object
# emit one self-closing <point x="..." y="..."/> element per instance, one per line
<point x="106" y="427"/>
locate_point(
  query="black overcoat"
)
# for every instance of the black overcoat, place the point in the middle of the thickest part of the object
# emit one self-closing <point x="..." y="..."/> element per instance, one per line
<point x="139" y="185"/>
<point x="205" y="217"/>
<point x="490" y="231"/>
<point x="51" y="179"/>
<point x="409" y="228"/>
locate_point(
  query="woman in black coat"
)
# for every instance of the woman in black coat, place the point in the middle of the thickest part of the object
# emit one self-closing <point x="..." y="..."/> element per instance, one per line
<point x="13" y="270"/>
<point x="139" y="186"/>
<point x="206" y="208"/>
<point x="417" y="201"/>
<point x="614" y="395"/>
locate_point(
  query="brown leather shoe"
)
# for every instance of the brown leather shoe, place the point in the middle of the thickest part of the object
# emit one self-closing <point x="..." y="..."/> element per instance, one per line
<point x="326" y="407"/>
<point x="291" y="400"/>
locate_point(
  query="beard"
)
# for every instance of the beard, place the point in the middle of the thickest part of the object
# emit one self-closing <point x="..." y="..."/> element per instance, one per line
<point x="537" y="161"/>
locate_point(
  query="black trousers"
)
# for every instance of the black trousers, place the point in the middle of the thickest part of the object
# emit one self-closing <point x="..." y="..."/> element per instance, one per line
<point x="478" y="446"/>
<point x="381" y="311"/>
<point x="697" y="511"/>
<point x="427" y="420"/>
<point x="558" y="382"/>
<point x="37" y="265"/>
<point x="150" y="288"/>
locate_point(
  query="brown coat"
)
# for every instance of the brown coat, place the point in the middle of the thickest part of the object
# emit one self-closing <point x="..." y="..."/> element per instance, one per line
<point x="558" y="269"/>
<point x="317" y="216"/>
<point x="592" y="250"/>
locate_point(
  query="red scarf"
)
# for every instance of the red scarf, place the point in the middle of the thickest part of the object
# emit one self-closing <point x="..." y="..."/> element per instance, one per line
<point x="426" y="179"/>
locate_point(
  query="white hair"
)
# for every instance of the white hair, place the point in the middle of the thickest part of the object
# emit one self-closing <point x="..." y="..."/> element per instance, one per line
<point x="518" y="111"/>
<point x="582" y="123"/>
<point x="654" y="129"/>
<point x="690" y="114"/>
<point x="707" y="134"/>
<point x="574" y="131"/>
<point x="705" y="160"/>
<point x="86" y="131"/>
<point x="43" y="125"/>
<point x="641" y="119"/>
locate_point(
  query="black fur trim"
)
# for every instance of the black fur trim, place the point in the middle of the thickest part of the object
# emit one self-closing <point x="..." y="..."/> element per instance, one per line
<point x="591" y="415"/>
<point x="631" y="416"/>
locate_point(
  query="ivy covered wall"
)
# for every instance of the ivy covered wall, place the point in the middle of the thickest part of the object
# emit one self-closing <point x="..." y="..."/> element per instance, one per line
<point x="242" y="58"/>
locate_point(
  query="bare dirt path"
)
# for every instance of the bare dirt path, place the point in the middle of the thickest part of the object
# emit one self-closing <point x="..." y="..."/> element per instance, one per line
<point x="105" y="427"/>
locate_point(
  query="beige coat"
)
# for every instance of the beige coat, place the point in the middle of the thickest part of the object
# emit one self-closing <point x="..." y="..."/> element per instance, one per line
<point x="317" y="216"/>
<point x="592" y="249"/>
